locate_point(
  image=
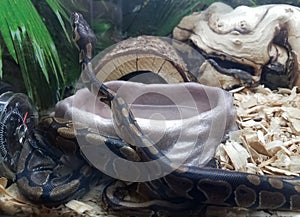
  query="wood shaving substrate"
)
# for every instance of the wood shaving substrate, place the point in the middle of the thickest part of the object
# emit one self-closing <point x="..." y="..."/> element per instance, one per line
<point x="267" y="142"/>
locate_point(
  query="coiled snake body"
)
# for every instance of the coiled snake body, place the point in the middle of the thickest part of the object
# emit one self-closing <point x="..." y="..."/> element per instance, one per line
<point x="46" y="175"/>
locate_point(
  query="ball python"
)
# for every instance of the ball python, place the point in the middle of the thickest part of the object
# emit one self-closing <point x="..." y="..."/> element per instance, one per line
<point x="45" y="174"/>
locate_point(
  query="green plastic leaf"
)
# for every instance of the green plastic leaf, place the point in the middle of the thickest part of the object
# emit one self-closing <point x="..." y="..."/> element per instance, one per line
<point x="30" y="44"/>
<point x="58" y="10"/>
<point x="102" y="26"/>
<point x="5" y="28"/>
<point x="1" y="64"/>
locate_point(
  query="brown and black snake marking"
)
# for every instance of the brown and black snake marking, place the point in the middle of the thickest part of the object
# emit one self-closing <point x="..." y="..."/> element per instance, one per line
<point x="184" y="187"/>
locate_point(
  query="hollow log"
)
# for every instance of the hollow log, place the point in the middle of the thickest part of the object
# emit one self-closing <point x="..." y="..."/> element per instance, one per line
<point x="139" y="55"/>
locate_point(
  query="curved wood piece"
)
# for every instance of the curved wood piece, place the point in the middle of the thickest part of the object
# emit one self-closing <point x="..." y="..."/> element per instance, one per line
<point x="142" y="54"/>
<point x="260" y="37"/>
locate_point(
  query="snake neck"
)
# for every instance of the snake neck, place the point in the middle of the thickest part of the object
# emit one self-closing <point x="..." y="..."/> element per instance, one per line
<point x="85" y="39"/>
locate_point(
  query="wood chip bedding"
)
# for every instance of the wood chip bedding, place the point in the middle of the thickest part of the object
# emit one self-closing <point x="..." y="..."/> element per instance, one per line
<point x="267" y="142"/>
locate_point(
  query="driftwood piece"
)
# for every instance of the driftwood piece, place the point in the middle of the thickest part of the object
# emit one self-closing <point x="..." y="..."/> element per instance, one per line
<point x="262" y="39"/>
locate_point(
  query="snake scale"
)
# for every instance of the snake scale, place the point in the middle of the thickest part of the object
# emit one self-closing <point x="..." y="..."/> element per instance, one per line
<point x="47" y="173"/>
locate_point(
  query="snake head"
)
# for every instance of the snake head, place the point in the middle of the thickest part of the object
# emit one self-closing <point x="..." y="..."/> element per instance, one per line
<point x="83" y="35"/>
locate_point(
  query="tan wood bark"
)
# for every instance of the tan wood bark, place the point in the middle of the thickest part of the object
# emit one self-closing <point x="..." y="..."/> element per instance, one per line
<point x="251" y="36"/>
<point x="142" y="54"/>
